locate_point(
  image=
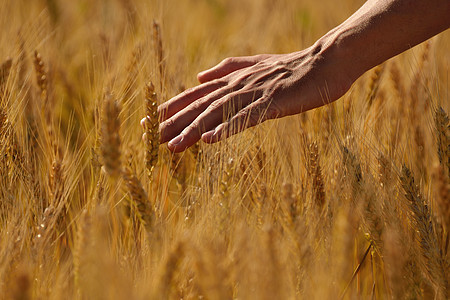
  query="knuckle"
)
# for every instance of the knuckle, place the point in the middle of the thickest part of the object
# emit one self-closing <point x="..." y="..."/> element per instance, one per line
<point x="228" y="60"/>
<point x="280" y="68"/>
<point x="196" y="106"/>
<point x="278" y="63"/>
<point x="188" y="91"/>
<point x="167" y="124"/>
<point x="258" y="57"/>
<point x="230" y="101"/>
<point x="239" y="81"/>
<point x="215" y="105"/>
<point x="218" y="82"/>
<point x="193" y="126"/>
<point x="263" y="56"/>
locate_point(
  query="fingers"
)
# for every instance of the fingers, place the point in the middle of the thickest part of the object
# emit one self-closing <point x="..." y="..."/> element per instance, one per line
<point x="172" y="127"/>
<point x="210" y="118"/>
<point x="210" y="82"/>
<point x="191" y="134"/>
<point x="208" y="125"/>
<point x="179" y="102"/>
<point x="198" y="112"/>
<point x="252" y="115"/>
<point x="257" y="112"/>
<point x="246" y="118"/>
<point x="227" y="66"/>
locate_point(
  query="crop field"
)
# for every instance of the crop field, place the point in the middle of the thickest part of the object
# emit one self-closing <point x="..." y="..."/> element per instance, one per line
<point x="348" y="201"/>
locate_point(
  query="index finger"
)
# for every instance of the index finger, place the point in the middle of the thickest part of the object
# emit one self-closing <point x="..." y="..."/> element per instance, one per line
<point x="179" y="102"/>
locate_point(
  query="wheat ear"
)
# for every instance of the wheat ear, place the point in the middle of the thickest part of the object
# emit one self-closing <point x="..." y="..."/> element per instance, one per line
<point x="139" y="198"/>
<point x="441" y="121"/>
<point x="397" y="83"/>
<point x="374" y="83"/>
<point x="41" y="76"/>
<point x="421" y="217"/>
<point x="151" y="127"/>
<point x="110" y="146"/>
<point x="315" y="171"/>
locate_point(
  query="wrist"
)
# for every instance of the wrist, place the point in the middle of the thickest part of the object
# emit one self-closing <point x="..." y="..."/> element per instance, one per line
<point x="337" y="57"/>
<point x="342" y="50"/>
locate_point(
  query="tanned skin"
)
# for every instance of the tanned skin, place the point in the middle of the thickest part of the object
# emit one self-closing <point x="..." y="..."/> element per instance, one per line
<point x="253" y="89"/>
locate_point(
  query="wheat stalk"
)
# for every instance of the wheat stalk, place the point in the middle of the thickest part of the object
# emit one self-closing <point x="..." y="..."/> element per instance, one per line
<point x="132" y="70"/>
<point x="110" y="142"/>
<point x="196" y="151"/>
<point x="442" y="126"/>
<point x="374" y="83"/>
<point x="227" y="179"/>
<point x="396" y="261"/>
<point x="11" y="150"/>
<point x="168" y="271"/>
<point x="3" y="125"/>
<point x="396" y="80"/>
<point x="139" y="199"/>
<point x="151" y="128"/>
<point x="287" y="194"/>
<point x="158" y="46"/>
<point x="434" y="264"/>
<point x="443" y="195"/>
<point x="418" y="83"/>
<point x="43" y="232"/>
<point x="5" y="69"/>
<point x="82" y="244"/>
<point x="41" y="78"/>
<point x="315" y="172"/>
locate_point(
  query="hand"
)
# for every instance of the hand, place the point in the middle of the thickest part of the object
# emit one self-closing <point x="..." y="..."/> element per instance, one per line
<point x="242" y="92"/>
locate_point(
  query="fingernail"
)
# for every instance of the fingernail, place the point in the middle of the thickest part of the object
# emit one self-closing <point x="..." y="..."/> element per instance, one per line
<point x="176" y="140"/>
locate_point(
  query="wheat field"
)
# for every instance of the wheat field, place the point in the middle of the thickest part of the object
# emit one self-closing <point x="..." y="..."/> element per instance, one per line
<point x="348" y="201"/>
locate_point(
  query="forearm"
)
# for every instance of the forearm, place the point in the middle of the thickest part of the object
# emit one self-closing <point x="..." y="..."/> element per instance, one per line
<point x="381" y="29"/>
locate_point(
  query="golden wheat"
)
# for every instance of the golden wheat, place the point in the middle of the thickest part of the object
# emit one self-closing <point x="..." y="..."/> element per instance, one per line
<point x="314" y="206"/>
<point x="111" y="152"/>
<point x="151" y="129"/>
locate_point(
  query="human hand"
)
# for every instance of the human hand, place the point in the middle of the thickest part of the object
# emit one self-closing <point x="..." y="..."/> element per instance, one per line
<point x="242" y="92"/>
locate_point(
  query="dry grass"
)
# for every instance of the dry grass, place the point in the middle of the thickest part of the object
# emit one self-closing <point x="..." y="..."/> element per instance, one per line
<point x="350" y="200"/>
